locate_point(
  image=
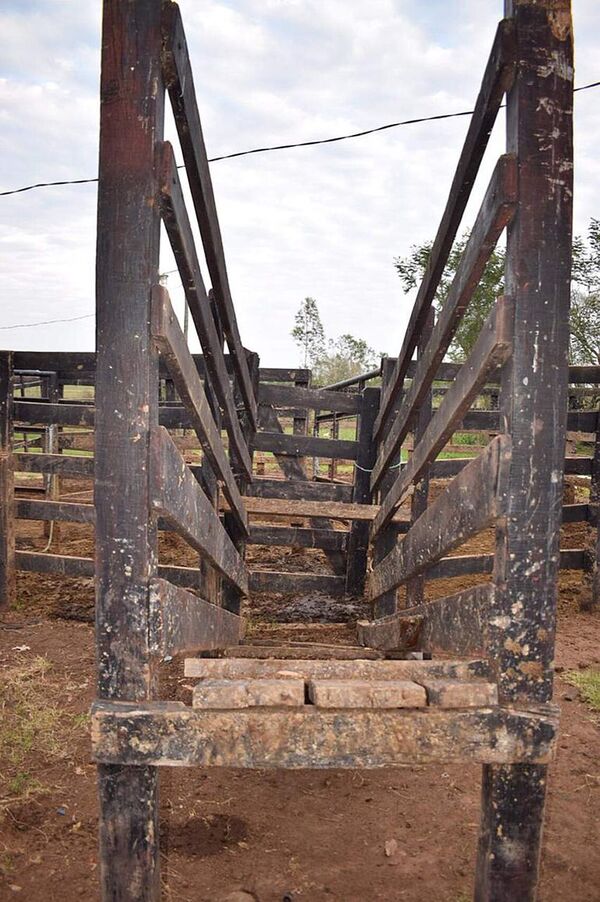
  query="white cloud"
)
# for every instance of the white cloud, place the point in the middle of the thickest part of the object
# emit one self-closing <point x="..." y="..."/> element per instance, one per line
<point x="324" y="221"/>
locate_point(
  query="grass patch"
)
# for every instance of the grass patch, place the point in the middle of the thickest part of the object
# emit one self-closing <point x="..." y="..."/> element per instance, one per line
<point x="588" y="683"/>
<point x="34" y="731"/>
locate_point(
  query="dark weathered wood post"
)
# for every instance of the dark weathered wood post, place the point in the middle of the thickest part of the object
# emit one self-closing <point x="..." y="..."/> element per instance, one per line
<point x="533" y="408"/>
<point x="7" y="484"/>
<point x="387" y="538"/>
<point x="415" y="588"/>
<point x="131" y="124"/>
<point x="358" y="538"/>
<point x="51" y="446"/>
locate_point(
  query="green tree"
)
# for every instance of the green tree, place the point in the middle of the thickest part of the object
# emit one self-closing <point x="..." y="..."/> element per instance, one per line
<point x="585" y="297"/>
<point x="585" y="293"/>
<point x="308" y="332"/>
<point x="346" y="356"/>
<point x="412" y="268"/>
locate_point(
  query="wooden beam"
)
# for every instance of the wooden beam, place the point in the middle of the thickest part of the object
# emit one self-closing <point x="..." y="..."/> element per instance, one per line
<point x="491" y="350"/>
<point x="358" y="545"/>
<point x="496" y="80"/>
<point x="46" y="413"/>
<point x="180" y="234"/>
<point x="312" y="398"/>
<point x="305" y="445"/>
<point x="456" y="624"/>
<point x="300" y="491"/>
<point x="360" y="668"/>
<point x="55" y="464"/>
<point x="397" y="632"/>
<point x="332" y="510"/>
<point x="171" y="733"/>
<point x="177" y="72"/>
<point x="299" y="537"/>
<point x="174" y="351"/>
<point x="182" y="623"/>
<point x="7" y="484"/>
<point x="496" y="211"/>
<point x="66" y="511"/>
<point x="470" y="503"/>
<point x="294" y="583"/>
<point x="176" y="495"/>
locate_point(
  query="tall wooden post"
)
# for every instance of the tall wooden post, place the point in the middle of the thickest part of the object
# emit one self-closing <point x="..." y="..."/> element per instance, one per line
<point x="131" y="124"/>
<point x="7" y="484"/>
<point x="415" y="588"/>
<point x="358" y="537"/>
<point x="387" y="538"/>
<point x="533" y="408"/>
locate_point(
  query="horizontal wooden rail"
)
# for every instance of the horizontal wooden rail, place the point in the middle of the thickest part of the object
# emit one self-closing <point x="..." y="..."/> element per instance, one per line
<point x="178" y="497"/>
<point x="471" y="502"/>
<point x="73" y="567"/>
<point x="179" y="82"/>
<point x="174" y="351"/>
<point x="299" y="537"/>
<point x="180" y="234"/>
<point x="332" y="510"/>
<point x="496" y="212"/>
<point x="294" y="583"/>
<point x="54" y="464"/>
<point x="496" y="81"/>
<point x="312" y="398"/>
<point x="182" y="623"/>
<point x="171" y="733"/>
<point x="301" y="490"/>
<point x="305" y="445"/>
<point x="492" y="348"/>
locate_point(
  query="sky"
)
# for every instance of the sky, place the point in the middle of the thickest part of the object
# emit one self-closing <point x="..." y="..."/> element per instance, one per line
<point x="325" y="222"/>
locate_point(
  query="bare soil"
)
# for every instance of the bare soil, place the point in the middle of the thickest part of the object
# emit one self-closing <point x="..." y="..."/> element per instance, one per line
<point x="308" y="835"/>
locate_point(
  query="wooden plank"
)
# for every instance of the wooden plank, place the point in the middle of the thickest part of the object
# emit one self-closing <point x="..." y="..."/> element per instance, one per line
<point x="305" y="445"/>
<point x="455" y="694"/>
<point x="170" y="733"/>
<point x="470" y="503"/>
<point x="299" y="537"/>
<point x="283" y="374"/>
<point x="177" y="496"/>
<point x="415" y="587"/>
<point x="312" y="398"/>
<point x="491" y="350"/>
<point x="380" y="694"/>
<point x="358" y="545"/>
<point x="496" y="212"/>
<point x="66" y="511"/>
<point x="496" y="80"/>
<point x="296" y="583"/>
<point x="294" y="470"/>
<point x="454" y="625"/>
<point x="46" y="413"/>
<point x="300" y="491"/>
<point x="246" y="668"/>
<point x="182" y="623"/>
<point x="7" y="484"/>
<point x="394" y="632"/>
<point x="55" y="464"/>
<point x="238" y="694"/>
<point x="180" y="234"/>
<point x="174" y="351"/>
<point x="177" y="72"/>
<point x="333" y="510"/>
<point x="267" y="649"/>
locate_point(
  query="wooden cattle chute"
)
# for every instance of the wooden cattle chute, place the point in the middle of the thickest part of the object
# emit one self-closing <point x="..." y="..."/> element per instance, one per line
<point x="373" y="704"/>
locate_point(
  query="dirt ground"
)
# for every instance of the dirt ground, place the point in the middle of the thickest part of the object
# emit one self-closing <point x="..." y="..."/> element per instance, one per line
<point x="307" y="835"/>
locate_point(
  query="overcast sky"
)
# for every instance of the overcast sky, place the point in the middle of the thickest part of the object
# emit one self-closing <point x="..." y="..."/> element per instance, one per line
<point x="326" y="221"/>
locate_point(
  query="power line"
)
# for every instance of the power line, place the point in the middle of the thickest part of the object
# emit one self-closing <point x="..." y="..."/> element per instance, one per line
<point x="48" y="322"/>
<point x="255" y="150"/>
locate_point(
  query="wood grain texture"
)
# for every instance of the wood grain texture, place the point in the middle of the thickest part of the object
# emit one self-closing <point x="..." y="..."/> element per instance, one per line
<point x="7" y="484"/>
<point x="170" y="733"/>
<point x="471" y="502"/>
<point x="177" y="496"/>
